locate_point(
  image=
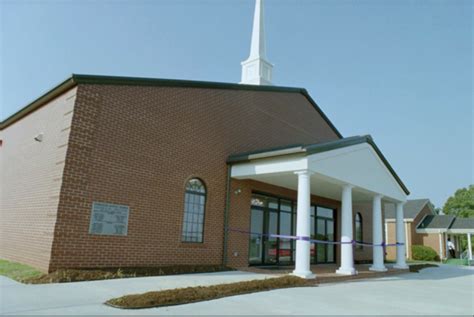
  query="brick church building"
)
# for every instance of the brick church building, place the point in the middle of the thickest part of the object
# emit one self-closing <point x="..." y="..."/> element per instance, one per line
<point x="125" y="172"/>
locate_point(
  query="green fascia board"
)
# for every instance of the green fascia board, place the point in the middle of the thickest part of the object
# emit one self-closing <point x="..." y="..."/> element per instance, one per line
<point x="324" y="147"/>
<point x="76" y="79"/>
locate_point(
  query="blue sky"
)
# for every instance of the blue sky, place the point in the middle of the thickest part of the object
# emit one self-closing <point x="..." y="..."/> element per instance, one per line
<point x="398" y="70"/>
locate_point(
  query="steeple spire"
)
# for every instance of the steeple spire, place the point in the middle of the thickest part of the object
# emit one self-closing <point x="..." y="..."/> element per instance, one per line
<point x="256" y="70"/>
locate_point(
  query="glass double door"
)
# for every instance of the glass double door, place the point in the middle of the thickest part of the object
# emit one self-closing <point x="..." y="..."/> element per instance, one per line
<point x="322" y="228"/>
<point x="270" y="215"/>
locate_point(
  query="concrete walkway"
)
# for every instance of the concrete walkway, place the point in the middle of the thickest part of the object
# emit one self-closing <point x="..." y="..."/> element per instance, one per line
<point x="445" y="290"/>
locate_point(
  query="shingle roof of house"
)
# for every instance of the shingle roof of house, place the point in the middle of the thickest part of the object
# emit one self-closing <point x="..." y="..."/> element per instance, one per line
<point x="441" y="222"/>
<point x="411" y="208"/>
<point x="316" y="148"/>
<point x="446" y="223"/>
<point x="462" y="223"/>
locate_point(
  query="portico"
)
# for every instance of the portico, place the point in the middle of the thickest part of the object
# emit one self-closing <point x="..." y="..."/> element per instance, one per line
<point x="350" y="170"/>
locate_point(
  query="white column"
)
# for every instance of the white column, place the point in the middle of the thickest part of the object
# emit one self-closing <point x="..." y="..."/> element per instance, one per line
<point x="303" y="220"/>
<point x="377" y="235"/>
<point x="446" y="249"/>
<point x="400" y="234"/>
<point x="440" y="247"/>
<point x="469" y="246"/>
<point x="408" y="242"/>
<point x="347" y="255"/>
<point x="458" y="246"/>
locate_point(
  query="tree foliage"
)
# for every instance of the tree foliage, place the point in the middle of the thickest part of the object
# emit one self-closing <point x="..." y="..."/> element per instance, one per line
<point x="461" y="204"/>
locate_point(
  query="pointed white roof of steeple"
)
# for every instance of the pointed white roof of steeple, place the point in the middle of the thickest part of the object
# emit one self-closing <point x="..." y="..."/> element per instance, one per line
<point x="256" y="70"/>
<point x="257" y="48"/>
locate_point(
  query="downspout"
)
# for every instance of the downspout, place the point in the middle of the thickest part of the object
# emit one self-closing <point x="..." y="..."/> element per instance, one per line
<point x="226" y="216"/>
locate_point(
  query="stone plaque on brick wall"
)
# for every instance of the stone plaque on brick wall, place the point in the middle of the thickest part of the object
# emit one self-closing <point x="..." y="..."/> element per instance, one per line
<point x="109" y="219"/>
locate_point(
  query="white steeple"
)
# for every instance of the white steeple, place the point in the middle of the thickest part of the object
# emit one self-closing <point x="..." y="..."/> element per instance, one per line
<point x="256" y="70"/>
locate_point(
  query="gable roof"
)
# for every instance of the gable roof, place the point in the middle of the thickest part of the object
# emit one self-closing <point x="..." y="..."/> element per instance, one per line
<point x="411" y="208"/>
<point x="77" y="79"/>
<point x="309" y="149"/>
<point x="442" y="222"/>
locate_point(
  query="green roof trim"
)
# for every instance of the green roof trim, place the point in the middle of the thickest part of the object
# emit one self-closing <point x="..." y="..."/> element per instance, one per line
<point x="317" y="148"/>
<point x="77" y="79"/>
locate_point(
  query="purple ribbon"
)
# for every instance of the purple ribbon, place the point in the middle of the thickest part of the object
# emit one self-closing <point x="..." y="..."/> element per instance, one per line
<point x="306" y="238"/>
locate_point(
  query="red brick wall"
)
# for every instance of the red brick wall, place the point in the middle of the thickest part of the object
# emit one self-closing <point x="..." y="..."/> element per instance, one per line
<point x="31" y="177"/>
<point x="138" y="146"/>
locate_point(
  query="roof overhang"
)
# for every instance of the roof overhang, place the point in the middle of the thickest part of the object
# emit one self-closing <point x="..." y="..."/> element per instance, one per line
<point x="395" y="220"/>
<point x="445" y="230"/>
<point x="355" y="160"/>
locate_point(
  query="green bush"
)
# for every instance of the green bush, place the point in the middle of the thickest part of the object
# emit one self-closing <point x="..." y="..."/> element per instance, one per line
<point x="423" y="253"/>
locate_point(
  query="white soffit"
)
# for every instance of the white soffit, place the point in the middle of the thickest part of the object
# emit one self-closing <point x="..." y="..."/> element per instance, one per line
<point x="274" y="165"/>
<point x="358" y="165"/>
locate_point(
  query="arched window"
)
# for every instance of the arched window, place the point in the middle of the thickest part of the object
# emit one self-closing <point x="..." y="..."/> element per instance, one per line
<point x="194" y="206"/>
<point x="358" y="229"/>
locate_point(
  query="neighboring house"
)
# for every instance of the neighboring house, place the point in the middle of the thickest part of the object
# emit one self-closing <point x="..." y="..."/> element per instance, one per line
<point x="126" y="172"/>
<point x="424" y="227"/>
<point x="413" y="211"/>
<point x="436" y="229"/>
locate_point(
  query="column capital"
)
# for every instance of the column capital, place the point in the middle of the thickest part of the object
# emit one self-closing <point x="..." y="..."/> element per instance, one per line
<point x="400" y="203"/>
<point x="347" y="186"/>
<point x="378" y="196"/>
<point x="304" y="172"/>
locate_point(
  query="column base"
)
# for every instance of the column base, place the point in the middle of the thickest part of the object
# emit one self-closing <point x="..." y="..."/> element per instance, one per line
<point x="403" y="266"/>
<point x="304" y="274"/>
<point x="346" y="271"/>
<point x="378" y="268"/>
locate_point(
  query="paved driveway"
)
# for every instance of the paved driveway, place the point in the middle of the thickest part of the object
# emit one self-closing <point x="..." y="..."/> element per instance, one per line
<point x="445" y="290"/>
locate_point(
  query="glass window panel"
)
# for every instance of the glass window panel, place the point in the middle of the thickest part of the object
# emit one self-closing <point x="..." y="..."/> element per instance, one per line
<point x="271" y="244"/>
<point x="330" y="230"/>
<point x="256" y="225"/>
<point x="285" y="205"/>
<point x="256" y="221"/>
<point x="321" y="229"/>
<point x="272" y="203"/>
<point x="321" y="253"/>
<point x="325" y="212"/>
<point x="273" y="222"/>
<point x="285" y="223"/>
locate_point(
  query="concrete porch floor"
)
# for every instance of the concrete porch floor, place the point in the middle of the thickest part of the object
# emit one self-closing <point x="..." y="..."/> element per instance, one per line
<point x="326" y="273"/>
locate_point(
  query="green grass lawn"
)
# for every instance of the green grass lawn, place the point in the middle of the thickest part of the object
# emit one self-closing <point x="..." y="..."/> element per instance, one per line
<point x="17" y="271"/>
<point x="456" y="261"/>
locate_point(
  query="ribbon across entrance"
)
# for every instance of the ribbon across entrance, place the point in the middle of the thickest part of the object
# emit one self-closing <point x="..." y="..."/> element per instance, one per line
<point x="305" y="238"/>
